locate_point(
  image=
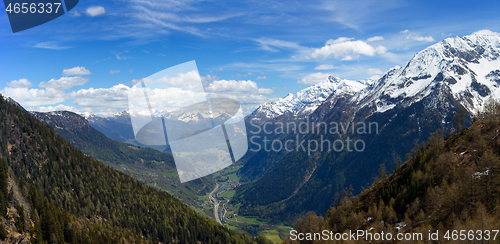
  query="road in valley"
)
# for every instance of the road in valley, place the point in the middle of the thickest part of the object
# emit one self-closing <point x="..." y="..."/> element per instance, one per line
<point x="216" y="203"/>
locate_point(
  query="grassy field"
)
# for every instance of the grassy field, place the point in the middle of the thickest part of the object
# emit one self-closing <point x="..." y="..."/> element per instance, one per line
<point x="228" y="194"/>
<point x="198" y="211"/>
<point x="285" y="229"/>
<point x="249" y="220"/>
<point x="234" y="177"/>
<point x="273" y="234"/>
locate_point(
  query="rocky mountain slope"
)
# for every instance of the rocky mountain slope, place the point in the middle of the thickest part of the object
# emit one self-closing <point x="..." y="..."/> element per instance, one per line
<point x="407" y="104"/>
<point x="446" y="185"/>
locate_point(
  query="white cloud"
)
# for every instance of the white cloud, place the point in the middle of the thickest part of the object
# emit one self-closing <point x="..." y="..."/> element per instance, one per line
<point x="268" y="44"/>
<point x="21" y="83"/>
<point x="155" y="15"/>
<point x="325" y="67"/>
<point x="416" y="37"/>
<point x="78" y="70"/>
<point x="64" y="83"/>
<point x="191" y="77"/>
<point x="486" y="32"/>
<point x="246" y="92"/>
<point x="165" y="93"/>
<point x="374" y="77"/>
<point x="52" y="94"/>
<point x="50" y="45"/>
<point x="375" y="38"/>
<point x="345" y="49"/>
<point x="236" y="87"/>
<point x="209" y="78"/>
<point x="34" y="97"/>
<point x="59" y="107"/>
<point x="114" y="71"/>
<point x="95" y="11"/>
<point x="102" y="101"/>
<point x="313" y="78"/>
<point x="374" y="71"/>
<point x="243" y="75"/>
<point x="120" y="57"/>
<point x="75" y="13"/>
<point x="131" y="71"/>
<point x="261" y="77"/>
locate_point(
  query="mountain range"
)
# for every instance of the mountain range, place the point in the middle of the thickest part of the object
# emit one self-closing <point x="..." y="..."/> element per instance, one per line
<point x="406" y="104"/>
<point x="309" y="99"/>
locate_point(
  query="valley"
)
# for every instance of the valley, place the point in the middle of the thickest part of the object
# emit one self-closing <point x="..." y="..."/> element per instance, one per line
<point x="249" y="122"/>
<point x="218" y="202"/>
<point x="267" y="191"/>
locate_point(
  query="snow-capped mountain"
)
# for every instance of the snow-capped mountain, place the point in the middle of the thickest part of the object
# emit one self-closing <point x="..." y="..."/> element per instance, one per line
<point x="119" y="126"/>
<point x="466" y="67"/>
<point x="307" y="100"/>
<point x="406" y="106"/>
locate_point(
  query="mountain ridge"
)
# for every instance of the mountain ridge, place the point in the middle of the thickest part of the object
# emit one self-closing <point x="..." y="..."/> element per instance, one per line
<point x="146" y="164"/>
<point x="64" y="179"/>
<point x="308" y="99"/>
<point x="408" y="104"/>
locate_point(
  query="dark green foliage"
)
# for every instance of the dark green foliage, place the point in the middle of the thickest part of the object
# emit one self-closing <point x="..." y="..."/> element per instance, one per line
<point x="446" y="185"/>
<point x="459" y="119"/>
<point x="65" y="186"/>
<point x="142" y="161"/>
<point x="3" y="232"/>
<point x="263" y="240"/>
<point x="4" y="192"/>
<point x="21" y="220"/>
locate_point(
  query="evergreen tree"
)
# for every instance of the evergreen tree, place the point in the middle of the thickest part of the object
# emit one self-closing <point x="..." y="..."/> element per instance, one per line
<point x="458" y="121"/>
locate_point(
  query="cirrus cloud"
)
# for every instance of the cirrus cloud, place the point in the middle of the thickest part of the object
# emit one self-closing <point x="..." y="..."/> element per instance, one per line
<point x="375" y="38"/>
<point x="416" y="37"/>
<point x="325" y="67"/>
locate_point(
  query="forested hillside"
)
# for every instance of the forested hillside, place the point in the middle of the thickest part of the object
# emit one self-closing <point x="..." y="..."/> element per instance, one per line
<point x="63" y="186"/>
<point x="146" y="164"/>
<point x="448" y="184"/>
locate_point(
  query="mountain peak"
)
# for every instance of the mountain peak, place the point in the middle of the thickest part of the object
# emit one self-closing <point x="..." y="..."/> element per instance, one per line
<point x="467" y="67"/>
<point x="307" y="100"/>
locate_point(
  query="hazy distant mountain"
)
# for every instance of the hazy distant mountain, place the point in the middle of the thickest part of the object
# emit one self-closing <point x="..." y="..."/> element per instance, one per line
<point x="117" y="127"/>
<point x="177" y="124"/>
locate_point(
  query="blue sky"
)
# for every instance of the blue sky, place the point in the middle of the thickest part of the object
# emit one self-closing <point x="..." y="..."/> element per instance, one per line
<point x="255" y="51"/>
